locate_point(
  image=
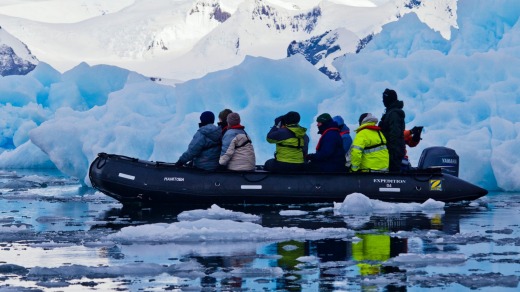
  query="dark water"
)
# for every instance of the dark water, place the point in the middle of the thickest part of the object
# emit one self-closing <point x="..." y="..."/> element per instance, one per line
<point x="55" y="236"/>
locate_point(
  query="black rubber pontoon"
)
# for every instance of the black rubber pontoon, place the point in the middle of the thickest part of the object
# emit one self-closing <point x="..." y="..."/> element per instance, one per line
<point x="133" y="180"/>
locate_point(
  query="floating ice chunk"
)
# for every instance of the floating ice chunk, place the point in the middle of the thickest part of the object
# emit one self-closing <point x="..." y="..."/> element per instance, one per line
<point x="422" y="260"/>
<point x="52" y="244"/>
<point x="357" y="203"/>
<point x="307" y="259"/>
<point x="204" y="230"/>
<point x="293" y="213"/>
<point x="216" y="213"/>
<point x="432" y="204"/>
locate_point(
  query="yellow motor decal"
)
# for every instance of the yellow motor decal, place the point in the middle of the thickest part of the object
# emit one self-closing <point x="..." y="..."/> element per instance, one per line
<point x="436" y="184"/>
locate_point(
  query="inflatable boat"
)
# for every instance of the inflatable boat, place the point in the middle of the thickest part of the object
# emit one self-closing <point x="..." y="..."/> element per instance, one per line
<point x="134" y="180"/>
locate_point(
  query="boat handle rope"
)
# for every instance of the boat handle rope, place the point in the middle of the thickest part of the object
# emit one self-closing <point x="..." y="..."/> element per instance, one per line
<point x="251" y="180"/>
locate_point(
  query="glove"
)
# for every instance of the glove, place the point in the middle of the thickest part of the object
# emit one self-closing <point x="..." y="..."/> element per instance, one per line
<point x="416" y="133"/>
<point x="417" y="130"/>
<point x="278" y="121"/>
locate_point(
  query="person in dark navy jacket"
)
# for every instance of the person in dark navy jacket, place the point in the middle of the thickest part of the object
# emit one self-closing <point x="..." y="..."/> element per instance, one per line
<point x="330" y="155"/>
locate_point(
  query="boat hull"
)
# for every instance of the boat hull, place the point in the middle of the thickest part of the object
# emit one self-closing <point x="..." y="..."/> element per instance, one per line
<point x="133" y="180"/>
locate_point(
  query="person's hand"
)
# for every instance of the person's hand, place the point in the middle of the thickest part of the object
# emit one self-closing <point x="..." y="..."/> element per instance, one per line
<point x="179" y="163"/>
<point x="309" y="157"/>
<point x="416" y="130"/>
<point x="416" y="133"/>
<point x="278" y="121"/>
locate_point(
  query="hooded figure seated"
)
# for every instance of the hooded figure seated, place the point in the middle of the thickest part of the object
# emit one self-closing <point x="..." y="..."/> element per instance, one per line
<point x="204" y="148"/>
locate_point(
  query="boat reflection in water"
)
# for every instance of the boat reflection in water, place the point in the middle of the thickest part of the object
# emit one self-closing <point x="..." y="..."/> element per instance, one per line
<point x="311" y="264"/>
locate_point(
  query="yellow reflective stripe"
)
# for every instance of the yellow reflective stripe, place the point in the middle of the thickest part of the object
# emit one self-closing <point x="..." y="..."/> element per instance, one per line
<point x="357" y="147"/>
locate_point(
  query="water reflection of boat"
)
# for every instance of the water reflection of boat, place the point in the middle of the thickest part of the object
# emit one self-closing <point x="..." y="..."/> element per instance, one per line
<point x="133" y="180"/>
<point x="446" y="220"/>
<point x="316" y="263"/>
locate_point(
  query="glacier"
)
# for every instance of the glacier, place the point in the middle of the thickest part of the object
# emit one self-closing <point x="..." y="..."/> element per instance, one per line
<point x="186" y="39"/>
<point x="464" y="91"/>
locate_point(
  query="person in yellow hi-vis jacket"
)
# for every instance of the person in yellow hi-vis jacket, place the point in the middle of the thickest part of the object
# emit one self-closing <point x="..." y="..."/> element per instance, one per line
<point x="368" y="151"/>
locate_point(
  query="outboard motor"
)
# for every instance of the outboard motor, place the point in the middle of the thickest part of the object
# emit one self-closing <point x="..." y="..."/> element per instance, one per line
<point x="440" y="157"/>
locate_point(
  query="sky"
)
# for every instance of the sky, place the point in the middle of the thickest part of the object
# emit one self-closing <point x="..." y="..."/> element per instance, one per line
<point x="463" y="90"/>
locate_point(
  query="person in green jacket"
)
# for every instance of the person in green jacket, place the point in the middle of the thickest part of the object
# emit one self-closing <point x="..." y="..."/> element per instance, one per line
<point x="291" y="142"/>
<point x="368" y="151"/>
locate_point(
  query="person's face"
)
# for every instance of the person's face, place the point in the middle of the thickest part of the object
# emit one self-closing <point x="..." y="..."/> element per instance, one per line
<point x="319" y="124"/>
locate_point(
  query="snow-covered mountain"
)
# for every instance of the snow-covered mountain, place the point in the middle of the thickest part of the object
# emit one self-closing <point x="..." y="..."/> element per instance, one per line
<point x="186" y="39"/>
<point x="15" y="57"/>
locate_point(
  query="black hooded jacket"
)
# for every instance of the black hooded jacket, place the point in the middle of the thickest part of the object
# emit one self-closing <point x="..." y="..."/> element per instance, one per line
<point x="392" y="125"/>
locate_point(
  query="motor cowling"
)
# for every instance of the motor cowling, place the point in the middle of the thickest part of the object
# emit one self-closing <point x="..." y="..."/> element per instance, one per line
<point x="440" y="157"/>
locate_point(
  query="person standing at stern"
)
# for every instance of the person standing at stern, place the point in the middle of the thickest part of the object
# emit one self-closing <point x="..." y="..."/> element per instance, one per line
<point x="392" y="125"/>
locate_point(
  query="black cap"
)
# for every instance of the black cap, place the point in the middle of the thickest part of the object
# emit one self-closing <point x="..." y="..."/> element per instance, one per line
<point x="291" y="118"/>
<point x="389" y="97"/>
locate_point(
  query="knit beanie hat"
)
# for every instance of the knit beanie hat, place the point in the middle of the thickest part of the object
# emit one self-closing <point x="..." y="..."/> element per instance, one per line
<point x="323" y="118"/>
<point x="233" y="119"/>
<point x="223" y="114"/>
<point x="291" y="118"/>
<point x="389" y="96"/>
<point x="339" y="120"/>
<point x="206" y="118"/>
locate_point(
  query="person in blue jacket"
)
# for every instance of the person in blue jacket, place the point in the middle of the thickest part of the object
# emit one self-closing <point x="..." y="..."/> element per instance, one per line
<point x="344" y="131"/>
<point x="204" y="148"/>
<point x="330" y="155"/>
